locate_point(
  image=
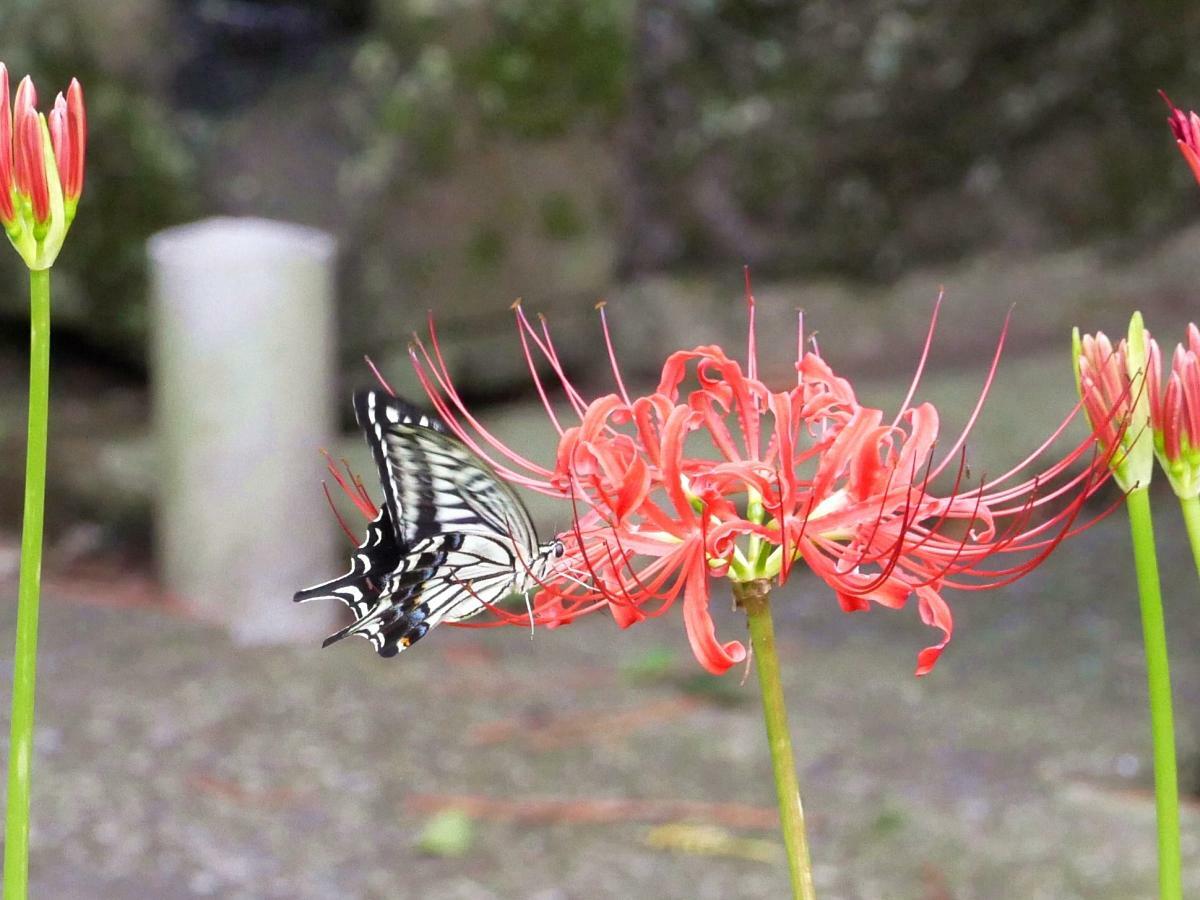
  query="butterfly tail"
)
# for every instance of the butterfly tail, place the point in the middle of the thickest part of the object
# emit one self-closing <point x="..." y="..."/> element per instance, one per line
<point x="354" y="590"/>
<point x="376" y="557"/>
<point x="390" y="629"/>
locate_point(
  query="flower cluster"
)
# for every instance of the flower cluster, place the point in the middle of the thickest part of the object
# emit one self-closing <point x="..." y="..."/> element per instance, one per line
<point x="1137" y="417"/>
<point x="1112" y="384"/>
<point x="41" y="169"/>
<point x="714" y="474"/>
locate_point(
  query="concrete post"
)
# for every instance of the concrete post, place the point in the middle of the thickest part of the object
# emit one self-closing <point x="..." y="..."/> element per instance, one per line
<point x="242" y="355"/>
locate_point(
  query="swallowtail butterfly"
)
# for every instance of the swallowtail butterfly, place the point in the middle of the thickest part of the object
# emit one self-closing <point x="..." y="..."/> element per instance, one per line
<point x="450" y="539"/>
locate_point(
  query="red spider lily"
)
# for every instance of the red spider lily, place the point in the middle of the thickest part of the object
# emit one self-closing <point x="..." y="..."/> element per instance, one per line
<point x="41" y="168"/>
<point x="1112" y="384"/>
<point x="806" y="473"/>
<point x="1186" y="128"/>
<point x="1175" y="413"/>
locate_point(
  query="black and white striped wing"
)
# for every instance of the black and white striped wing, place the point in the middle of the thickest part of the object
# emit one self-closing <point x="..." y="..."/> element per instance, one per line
<point x="450" y="541"/>
<point x="439" y="579"/>
<point x="432" y="482"/>
<point x="373" y="563"/>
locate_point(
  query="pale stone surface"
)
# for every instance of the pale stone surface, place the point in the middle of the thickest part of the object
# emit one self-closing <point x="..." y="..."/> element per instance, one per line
<point x="243" y="350"/>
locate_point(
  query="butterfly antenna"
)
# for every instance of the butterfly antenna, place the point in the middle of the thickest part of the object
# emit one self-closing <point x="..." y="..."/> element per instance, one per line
<point x="574" y="579"/>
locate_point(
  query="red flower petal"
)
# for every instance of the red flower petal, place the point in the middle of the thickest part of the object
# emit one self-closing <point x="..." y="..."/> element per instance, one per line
<point x="935" y="613"/>
<point x="7" y="185"/>
<point x="713" y="655"/>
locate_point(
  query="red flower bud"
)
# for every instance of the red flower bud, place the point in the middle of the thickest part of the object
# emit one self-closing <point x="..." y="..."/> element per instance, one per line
<point x="28" y="157"/>
<point x="41" y="169"/>
<point x="68" y="136"/>
<point x="1186" y="128"/>
<point x="1175" y="414"/>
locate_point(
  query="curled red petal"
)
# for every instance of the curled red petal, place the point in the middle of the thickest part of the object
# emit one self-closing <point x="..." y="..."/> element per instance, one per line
<point x="674" y="432"/>
<point x="935" y="613"/>
<point x="716" y="657"/>
<point x="633" y="490"/>
<point x="852" y="602"/>
<point x="625" y="614"/>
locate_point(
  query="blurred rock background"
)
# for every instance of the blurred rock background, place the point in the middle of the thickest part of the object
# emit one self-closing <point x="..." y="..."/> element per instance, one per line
<point x="466" y="153"/>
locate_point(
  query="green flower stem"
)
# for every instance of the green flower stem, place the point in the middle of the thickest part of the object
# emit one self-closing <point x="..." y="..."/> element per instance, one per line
<point x="753" y="597"/>
<point x="1166" y="780"/>
<point x="16" y="833"/>
<point x="1191" y="518"/>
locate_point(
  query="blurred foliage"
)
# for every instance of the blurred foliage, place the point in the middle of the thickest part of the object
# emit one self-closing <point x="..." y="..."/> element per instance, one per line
<point x="798" y="137"/>
<point x="485" y="150"/>
<point x="483" y="165"/>
<point x="140" y="175"/>
<point x="544" y="65"/>
<point x="561" y="218"/>
<point x="525" y="68"/>
<point x="864" y="137"/>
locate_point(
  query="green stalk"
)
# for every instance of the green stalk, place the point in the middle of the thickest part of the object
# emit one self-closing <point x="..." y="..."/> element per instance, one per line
<point x="754" y="597"/>
<point x="16" y="833"/>
<point x="1191" y="518"/>
<point x="1166" y="780"/>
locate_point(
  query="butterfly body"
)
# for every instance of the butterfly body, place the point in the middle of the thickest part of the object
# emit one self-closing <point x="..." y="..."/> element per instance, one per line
<point x="450" y="540"/>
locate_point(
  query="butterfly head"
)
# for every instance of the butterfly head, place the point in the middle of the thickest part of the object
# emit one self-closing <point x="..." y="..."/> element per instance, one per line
<point x="542" y="564"/>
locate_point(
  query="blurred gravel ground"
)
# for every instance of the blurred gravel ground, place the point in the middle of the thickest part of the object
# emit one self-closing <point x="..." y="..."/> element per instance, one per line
<point x="174" y="764"/>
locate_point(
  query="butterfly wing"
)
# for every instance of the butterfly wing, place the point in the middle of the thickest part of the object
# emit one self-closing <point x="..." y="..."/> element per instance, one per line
<point x="374" y="561"/>
<point x="434" y="483"/>
<point x="457" y="538"/>
<point x="439" y="579"/>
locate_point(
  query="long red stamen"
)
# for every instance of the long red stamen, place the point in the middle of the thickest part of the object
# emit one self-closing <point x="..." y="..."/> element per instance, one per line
<point x="337" y="515"/>
<point x="612" y="356"/>
<point x="445" y="389"/>
<point x="912" y="388"/>
<point x="751" y="343"/>
<point x="545" y="345"/>
<point x="537" y="379"/>
<point x="987" y="384"/>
